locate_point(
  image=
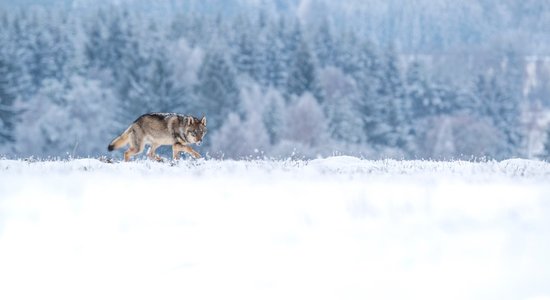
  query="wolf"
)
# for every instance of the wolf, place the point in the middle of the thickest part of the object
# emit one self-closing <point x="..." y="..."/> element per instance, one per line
<point x="158" y="129"/>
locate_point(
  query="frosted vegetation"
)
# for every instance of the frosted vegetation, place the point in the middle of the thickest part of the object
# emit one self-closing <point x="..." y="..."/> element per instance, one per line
<point x="423" y="79"/>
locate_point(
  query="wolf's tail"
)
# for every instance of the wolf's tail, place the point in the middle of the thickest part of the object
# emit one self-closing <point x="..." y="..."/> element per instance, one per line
<point x="121" y="140"/>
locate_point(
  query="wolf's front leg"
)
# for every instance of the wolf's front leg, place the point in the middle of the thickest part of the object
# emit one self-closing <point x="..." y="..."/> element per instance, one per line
<point x="177" y="148"/>
<point x="175" y="152"/>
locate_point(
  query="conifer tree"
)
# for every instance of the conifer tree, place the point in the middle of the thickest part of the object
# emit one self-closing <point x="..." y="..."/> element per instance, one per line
<point x="216" y="92"/>
<point x="7" y="112"/>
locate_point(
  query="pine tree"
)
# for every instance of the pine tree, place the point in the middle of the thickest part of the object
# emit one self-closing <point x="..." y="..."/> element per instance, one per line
<point x="345" y="123"/>
<point x="363" y="63"/>
<point x="273" y="62"/>
<point x="303" y="75"/>
<point x="111" y="38"/>
<point x="15" y="81"/>
<point x="419" y="92"/>
<point x="324" y="44"/>
<point x="274" y="115"/>
<point x="244" y="49"/>
<point x="385" y="109"/>
<point x="503" y="109"/>
<point x="148" y="80"/>
<point x="216" y="92"/>
<point x="7" y="113"/>
<point x="398" y="117"/>
<point x="351" y="57"/>
<point x="49" y="48"/>
<point x="302" y="72"/>
<point x="341" y="107"/>
<point x="159" y="88"/>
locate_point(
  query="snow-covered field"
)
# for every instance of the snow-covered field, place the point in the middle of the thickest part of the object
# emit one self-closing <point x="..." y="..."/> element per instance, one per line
<point x="334" y="228"/>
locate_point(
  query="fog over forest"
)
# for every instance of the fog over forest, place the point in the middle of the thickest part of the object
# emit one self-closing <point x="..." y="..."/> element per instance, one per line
<point x="379" y="79"/>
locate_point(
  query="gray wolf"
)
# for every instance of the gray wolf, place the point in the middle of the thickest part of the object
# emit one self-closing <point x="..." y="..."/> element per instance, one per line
<point x="158" y="129"/>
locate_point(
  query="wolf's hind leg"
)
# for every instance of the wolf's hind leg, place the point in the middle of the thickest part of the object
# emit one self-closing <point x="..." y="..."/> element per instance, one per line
<point x="133" y="150"/>
<point x="129" y="153"/>
<point x="152" y="155"/>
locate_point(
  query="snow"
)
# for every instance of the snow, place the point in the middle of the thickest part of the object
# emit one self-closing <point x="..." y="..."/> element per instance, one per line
<point x="331" y="228"/>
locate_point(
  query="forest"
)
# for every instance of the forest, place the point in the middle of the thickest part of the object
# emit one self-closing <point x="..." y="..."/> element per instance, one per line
<point x="375" y="79"/>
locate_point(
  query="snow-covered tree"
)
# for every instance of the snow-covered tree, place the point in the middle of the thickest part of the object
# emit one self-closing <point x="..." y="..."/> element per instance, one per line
<point x="244" y="136"/>
<point x="341" y="107"/>
<point x="302" y="74"/>
<point x="153" y="85"/>
<point x="419" y="91"/>
<point x="7" y="98"/>
<point x="15" y="81"/>
<point x="238" y="138"/>
<point x="76" y="117"/>
<point x="396" y="130"/>
<point x="323" y="44"/>
<point x="305" y="122"/>
<point x="273" y="115"/>
<point x="186" y="62"/>
<point x="245" y="53"/>
<point x="504" y="111"/>
<point x="111" y="38"/>
<point x="216" y="91"/>
<point x="273" y="58"/>
<point x="45" y="42"/>
<point x="300" y="65"/>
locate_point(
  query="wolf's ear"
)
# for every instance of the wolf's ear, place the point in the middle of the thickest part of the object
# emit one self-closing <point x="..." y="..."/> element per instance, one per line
<point x="189" y="121"/>
<point x="203" y="120"/>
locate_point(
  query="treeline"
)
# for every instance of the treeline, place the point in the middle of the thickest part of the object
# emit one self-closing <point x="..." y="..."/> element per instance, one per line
<point x="269" y="85"/>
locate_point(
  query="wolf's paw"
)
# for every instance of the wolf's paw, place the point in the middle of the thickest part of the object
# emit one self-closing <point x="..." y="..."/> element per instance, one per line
<point x="156" y="158"/>
<point x="107" y="160"/>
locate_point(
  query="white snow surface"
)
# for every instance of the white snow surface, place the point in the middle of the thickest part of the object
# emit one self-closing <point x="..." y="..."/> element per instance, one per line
<point x="333" y="228"/>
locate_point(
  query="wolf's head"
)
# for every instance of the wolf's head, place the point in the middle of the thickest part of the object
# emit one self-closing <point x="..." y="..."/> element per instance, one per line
<point x="195" y="130"/>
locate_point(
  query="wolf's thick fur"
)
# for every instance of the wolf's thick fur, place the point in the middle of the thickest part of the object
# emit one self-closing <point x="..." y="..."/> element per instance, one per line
<point x="158" y="129"/>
